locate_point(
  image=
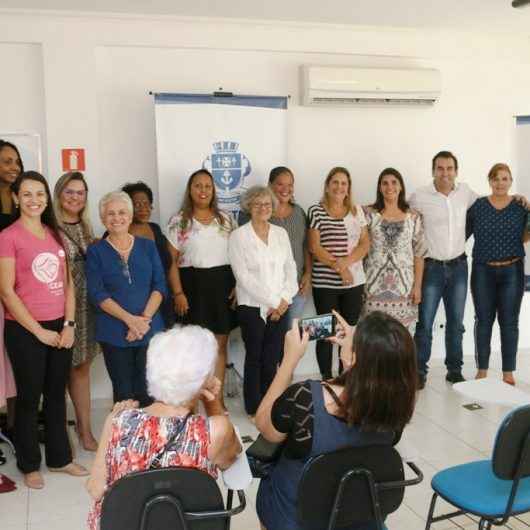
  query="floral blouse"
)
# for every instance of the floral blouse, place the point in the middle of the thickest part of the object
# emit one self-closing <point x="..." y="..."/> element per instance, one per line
<point x="201" y="245"/>
<point x="137" y="437"/>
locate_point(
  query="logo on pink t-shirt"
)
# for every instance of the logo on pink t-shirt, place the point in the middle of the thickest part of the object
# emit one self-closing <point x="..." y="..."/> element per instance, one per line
<point x="45" y="267"/>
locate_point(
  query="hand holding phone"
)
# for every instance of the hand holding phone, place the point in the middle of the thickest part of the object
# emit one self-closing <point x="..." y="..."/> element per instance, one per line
<point x="318" y="327"/>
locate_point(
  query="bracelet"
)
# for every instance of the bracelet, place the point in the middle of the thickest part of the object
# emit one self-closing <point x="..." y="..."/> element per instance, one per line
<point x="177" y="294"/>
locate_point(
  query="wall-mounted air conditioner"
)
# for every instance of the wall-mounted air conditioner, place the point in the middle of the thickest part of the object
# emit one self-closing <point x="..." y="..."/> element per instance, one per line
<point x="341" y="85"/>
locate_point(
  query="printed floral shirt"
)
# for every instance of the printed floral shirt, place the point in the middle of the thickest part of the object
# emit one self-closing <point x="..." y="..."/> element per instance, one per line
<point x="137" y="437"/>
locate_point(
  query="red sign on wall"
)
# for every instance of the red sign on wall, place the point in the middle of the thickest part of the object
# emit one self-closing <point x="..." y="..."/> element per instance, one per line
<point x="73" y="159"/>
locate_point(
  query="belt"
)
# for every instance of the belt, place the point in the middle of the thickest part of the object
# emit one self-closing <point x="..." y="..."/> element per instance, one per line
<point x="448" y="261"/>
<point x="503" y="263"/>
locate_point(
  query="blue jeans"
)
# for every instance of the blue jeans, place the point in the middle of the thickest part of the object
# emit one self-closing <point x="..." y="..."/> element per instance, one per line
<point x="497" y="292"/>
<point x="447" y="282"/>
<point x="296" y="309"/>
<point x="126" y="368"/>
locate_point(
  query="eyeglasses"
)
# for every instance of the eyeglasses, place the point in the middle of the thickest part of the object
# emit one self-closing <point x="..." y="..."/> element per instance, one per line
<point x="264" y="205"/>
<point x="73" y="193"/>
<point x="142" y="204"/>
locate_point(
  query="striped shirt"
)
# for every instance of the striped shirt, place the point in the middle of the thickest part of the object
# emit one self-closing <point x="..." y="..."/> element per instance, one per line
<point x="339" y="236"/>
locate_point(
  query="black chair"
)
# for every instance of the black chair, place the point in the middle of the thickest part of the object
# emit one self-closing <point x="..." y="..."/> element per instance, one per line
<point x="172" y="498"/>
<point x="494" y="489"/>
<point x="352" y="486"/>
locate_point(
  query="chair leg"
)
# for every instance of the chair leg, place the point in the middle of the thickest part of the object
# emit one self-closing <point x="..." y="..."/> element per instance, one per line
<point x="484" y="524"/>
<point x="431" y="511"/>
<point x="229" y="501"/>
<point x="7" y="441"/>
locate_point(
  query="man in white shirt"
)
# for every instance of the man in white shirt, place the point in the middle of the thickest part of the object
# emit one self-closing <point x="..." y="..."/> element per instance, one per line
<point x="443" y="204"/>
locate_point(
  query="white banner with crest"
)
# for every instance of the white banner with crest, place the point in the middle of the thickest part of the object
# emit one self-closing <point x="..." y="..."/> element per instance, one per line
<point x="237" y="138"/>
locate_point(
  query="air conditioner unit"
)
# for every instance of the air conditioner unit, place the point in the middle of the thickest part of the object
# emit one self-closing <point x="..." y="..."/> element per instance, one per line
<point x="343" y="86"/>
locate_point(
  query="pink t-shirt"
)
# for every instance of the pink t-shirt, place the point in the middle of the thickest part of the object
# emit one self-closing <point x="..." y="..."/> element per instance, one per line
<point x="39" y="271"/>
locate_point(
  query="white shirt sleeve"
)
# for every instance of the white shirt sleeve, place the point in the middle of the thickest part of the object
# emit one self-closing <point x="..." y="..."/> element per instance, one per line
<point x="290" y="287"/>
<point x="238" y="251"/>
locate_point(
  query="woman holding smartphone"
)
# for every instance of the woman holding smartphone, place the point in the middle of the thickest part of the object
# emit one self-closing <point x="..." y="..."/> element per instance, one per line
<point x="369" y="403"/>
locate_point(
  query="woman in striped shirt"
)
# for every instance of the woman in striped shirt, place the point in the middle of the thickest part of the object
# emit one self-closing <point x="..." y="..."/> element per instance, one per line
<point x="338" y="239"/>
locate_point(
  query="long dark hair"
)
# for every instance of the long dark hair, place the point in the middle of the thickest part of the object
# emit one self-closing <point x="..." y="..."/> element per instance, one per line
<point x="3" y="144"/>
<point x="380" y="389"/>
<point x="379" y="203"/>
<point x="48" y="216"/>
<point x="187" y="203"/>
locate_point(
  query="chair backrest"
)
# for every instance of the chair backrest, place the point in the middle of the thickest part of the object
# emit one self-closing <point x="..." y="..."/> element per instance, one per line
<point x="160" y="497"/>
<point x="322" y="475"/>
<point x="511" y="441"/>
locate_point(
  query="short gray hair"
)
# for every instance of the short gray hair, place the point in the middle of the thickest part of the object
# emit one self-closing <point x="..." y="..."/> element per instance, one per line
<point x="112" y="196"/>
<point x="179" y="361"/>
<point x="253" y="193"/>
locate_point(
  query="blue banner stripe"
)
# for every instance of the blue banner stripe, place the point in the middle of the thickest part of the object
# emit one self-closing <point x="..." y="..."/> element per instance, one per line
<point x="268" y="102"/>
<point x="521" y="120"/>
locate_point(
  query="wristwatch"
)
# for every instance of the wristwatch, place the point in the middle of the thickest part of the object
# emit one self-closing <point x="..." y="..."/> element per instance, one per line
<point x="69" y="324"/>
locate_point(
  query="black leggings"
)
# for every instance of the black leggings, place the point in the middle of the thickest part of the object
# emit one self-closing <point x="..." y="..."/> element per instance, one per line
<point x="39" y="370"/>
<point x="348" y="303"/>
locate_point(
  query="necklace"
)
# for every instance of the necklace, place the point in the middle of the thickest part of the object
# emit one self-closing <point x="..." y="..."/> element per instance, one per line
<point x="123" y="251"/>
<point x="204" y="218"/>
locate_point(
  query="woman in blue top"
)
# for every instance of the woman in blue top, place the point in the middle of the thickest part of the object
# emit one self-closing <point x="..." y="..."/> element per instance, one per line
<point x="498" y="224"/>
<point x="369" y="403"/>
<point x="126" y="283"/>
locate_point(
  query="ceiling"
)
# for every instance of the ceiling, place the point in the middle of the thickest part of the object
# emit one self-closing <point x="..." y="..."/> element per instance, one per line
<point x="491" y="15"/>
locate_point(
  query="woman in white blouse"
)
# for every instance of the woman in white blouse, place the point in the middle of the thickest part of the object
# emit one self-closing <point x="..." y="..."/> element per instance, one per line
<point x="203" y="282"/>
<point x="265" y="271"/>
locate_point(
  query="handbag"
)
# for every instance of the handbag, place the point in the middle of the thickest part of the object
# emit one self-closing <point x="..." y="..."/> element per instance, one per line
<point x="155" y="462"/>
<point x="262" y="456"/>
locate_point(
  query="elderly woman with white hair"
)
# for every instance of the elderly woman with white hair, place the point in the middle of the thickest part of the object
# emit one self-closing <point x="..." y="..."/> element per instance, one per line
<point x="266" y="282"/>
<point x="126" y="284"/>
<point x="180" y="364"/>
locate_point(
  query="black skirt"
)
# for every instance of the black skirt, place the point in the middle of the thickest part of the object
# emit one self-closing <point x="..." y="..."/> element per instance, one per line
<point x="207" y="291"/>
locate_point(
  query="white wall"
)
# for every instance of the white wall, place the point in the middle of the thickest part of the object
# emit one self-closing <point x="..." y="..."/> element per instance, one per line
<point x="95" y="73"/>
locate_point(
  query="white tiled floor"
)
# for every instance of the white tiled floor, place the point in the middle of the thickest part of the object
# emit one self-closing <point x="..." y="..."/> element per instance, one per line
<point x="441" y="434"/>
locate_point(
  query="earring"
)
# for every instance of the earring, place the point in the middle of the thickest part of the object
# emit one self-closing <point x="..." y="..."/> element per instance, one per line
<point x="16" y="205"/>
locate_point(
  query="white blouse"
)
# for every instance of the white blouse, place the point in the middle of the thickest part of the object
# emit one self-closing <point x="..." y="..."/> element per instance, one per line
<point x="265" y="272"/>
<point x="202" y="246"/>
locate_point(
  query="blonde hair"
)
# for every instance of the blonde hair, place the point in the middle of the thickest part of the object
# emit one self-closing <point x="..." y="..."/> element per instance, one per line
<point x="57" y="206"/>
<point x="348" y="200"/>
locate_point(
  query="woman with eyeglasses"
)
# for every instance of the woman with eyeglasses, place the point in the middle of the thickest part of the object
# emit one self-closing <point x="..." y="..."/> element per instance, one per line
<point x="71" y="211"/>
<point x="142" y="198"/>
<point x="266" y="282"/>
<point x="126" y="284"/>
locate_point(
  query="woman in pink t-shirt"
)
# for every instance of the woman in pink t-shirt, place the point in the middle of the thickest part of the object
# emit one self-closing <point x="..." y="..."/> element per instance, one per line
<point x="38" y="297"/>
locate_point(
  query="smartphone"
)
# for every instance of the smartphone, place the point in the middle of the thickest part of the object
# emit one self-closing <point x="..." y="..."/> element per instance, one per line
<point x="318" y="327"/>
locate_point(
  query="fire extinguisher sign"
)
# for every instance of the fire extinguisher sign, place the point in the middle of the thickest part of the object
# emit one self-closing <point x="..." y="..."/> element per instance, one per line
<point x="73" y="159"/>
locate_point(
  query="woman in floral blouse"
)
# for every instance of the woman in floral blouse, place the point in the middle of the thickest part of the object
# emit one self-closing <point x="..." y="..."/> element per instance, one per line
<point x="167" y="432"/>
<point x="394" y="265"/>
<point x="203" y="283"/>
